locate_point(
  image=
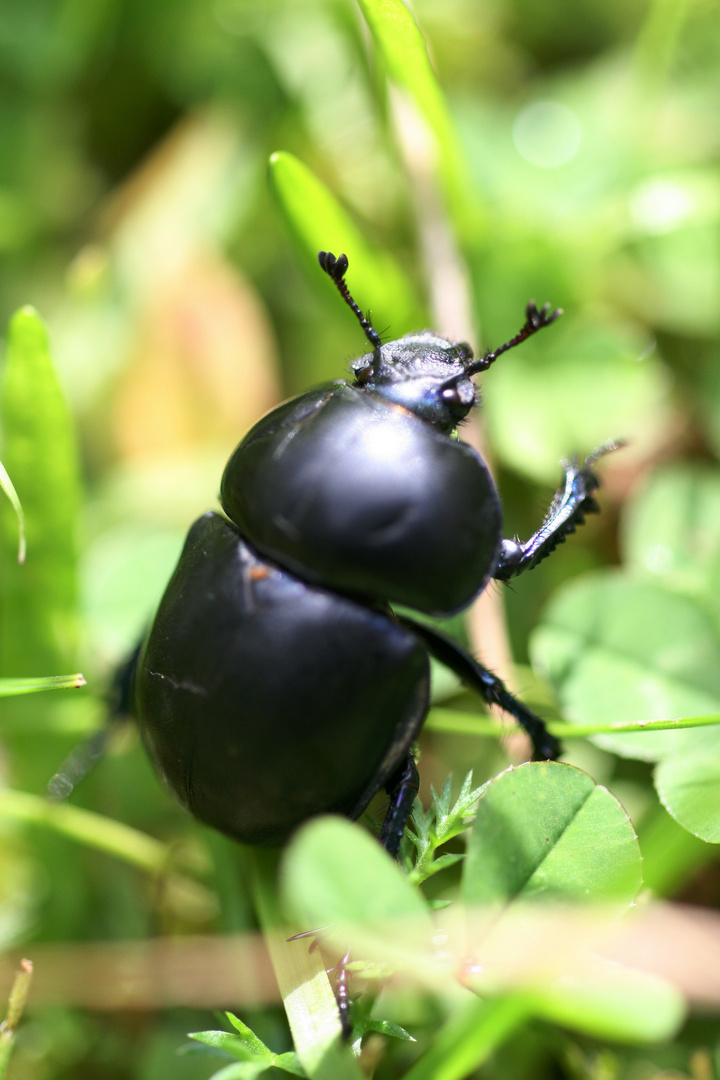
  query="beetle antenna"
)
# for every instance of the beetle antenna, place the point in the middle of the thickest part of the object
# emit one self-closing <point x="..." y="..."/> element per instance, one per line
<point x="534" y="320"/>
<point x="336" y="269"/>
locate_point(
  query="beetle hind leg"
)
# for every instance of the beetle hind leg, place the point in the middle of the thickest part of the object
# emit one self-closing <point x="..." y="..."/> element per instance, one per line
<point x="490" y="688"/>
<point x="571" y="503"/>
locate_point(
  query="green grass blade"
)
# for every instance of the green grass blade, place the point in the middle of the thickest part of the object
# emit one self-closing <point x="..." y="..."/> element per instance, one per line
<point x="38" y="602"/>
<point x="7" y="486"/>
<point x="16" y="1007"/>
<point x="469" y="1038"/>
<point x="86" y="827"/>
<point x="15" y="687"/>
<point x="319" y="223"/>
<point x="404" y="52"/>
<point x="308" y="997"/>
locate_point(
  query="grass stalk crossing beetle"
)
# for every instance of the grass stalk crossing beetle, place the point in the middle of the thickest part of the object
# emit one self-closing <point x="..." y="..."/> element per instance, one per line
<point x="277" y="682"/>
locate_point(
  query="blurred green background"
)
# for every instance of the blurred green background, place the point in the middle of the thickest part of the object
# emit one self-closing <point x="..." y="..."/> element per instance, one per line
<point x="577" y="163"/>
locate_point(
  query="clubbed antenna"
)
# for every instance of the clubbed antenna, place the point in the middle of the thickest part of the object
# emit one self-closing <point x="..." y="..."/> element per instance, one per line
<point x="336" y="269"/>
<point x="535" y="320"/>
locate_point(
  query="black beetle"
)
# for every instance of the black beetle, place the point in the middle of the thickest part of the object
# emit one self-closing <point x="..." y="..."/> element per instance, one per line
<point x="277" y="682"/>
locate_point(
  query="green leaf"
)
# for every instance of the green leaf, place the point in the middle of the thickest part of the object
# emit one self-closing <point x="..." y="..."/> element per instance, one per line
<point x="393" y="1031"/>
<point x="334" y="872"/>
<point x="404" y="52"/>
<point x="242" y="1070"/>
<point x="672" y="527"/>
<point x="319" y="223"/>
<point x="7" y="486"/>
<point x="38" y="602"/>
<point x="545" y="401"/>
<point x="432" y="828"/>
<point x="335" y="876"/>
<point x="255" y="1056"/>
<point x="247" y="1036"/>
<point x="546" y="830"/>
<point x="620" y="650"/>
<point x="620" y="1004"/>
<point x="688" y="784"/>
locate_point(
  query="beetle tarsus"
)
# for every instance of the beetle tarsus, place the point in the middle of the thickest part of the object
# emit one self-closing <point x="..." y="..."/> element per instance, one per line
<point x="571" y="503"/>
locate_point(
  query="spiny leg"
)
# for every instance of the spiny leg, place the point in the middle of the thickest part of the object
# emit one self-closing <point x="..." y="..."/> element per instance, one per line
<point x="571" y="503"/>
<point x="491" y="689"/>
<point x="402" y="787"/>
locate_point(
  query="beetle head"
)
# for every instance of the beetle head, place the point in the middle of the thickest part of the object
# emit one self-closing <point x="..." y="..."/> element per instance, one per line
<point x="426" y="374"/>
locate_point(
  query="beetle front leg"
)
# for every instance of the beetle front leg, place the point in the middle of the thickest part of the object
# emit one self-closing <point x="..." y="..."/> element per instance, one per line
<point x="490" y="688"/>
<point x="571" y="503"/>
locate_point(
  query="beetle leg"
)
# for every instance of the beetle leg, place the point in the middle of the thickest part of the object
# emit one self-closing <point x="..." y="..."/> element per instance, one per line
<point x="490" y="688"/>
<point x="402" y="787"/>
<point x="342" y="996"/>
<point x="571" y="503"/>
<point x="82" y="757"/>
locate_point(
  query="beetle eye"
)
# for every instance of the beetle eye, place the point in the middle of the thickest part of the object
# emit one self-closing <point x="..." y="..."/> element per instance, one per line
<point x="459" y="395"/>
<point x="363" y="374"/>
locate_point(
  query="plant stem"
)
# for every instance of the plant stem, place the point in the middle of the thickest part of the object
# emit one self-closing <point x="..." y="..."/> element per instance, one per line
<point x="464" y="723"/>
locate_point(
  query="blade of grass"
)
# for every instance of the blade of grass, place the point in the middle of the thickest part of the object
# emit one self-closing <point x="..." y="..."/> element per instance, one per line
<point x="318" y="222"/>
<point x="405" y="55"/>
<point x="308" y="997"/>
<point x="469" y="1038"/>
<point x="16" y="1007"/>
<point x="15" y="687"/>
<point x="7" y="486"/>
<point x="86" y="827"/>
<point x="38" y="602"/>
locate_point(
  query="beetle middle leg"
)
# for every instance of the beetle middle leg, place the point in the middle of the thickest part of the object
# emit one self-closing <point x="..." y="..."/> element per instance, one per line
<point x="402" y="787"/>
<point x="571" y="503"/>
<point x="491" y="689"/>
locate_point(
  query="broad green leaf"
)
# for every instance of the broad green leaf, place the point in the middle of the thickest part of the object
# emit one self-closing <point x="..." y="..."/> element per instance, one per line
<point x="545" y="402"/>
<point x="618" y="649"/>
<point x="546" y="831"/>
<point x="7" y="486"/>
<point x="336" y="876"/>
<point x="334" y="872"/>
<point x="404" y="52"/>
<point x="38" y="601"/>
<point x="320" y="223"/>
<point x="672" y="526"/>
<point x="620" y="1004"/>
<point x="688" y="784"/>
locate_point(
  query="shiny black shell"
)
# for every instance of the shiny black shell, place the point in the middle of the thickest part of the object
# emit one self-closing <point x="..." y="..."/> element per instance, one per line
<point x="264" y="699"/>
<point x="363" y="496"/>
